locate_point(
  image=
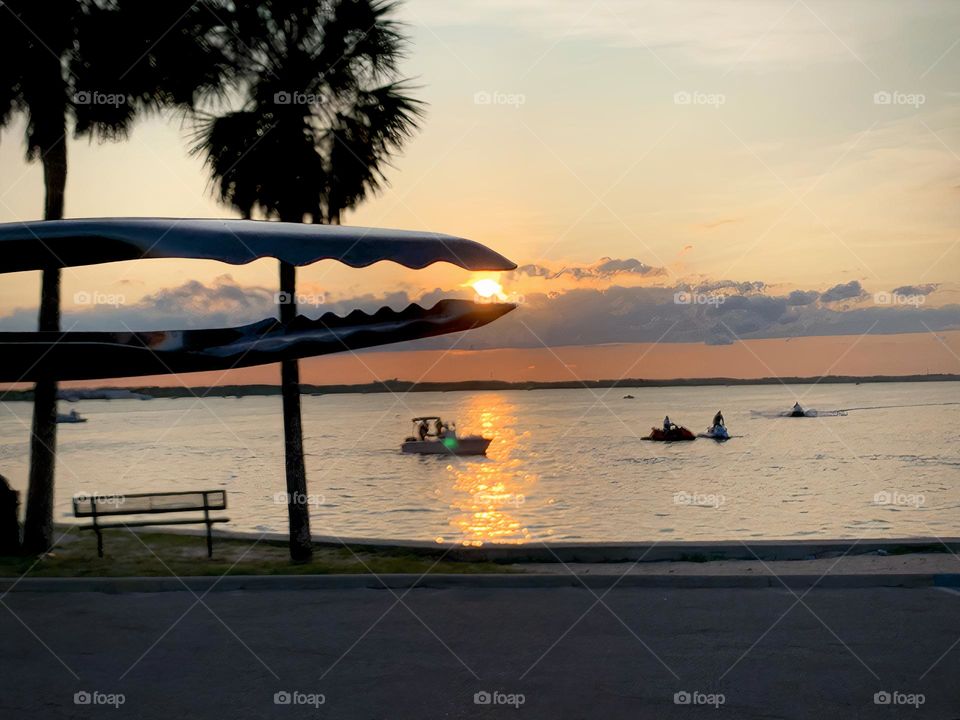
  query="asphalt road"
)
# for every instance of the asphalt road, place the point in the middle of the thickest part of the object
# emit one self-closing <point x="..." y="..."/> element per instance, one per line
<point x="441" y="653"/>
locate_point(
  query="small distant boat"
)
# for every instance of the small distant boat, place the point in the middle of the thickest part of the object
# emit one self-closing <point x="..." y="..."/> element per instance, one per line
<point x="432" y="436"/>
<point x="629" y="397"/>
<point x="676" y="433"/>
<point x="797" y="411"/>
<point x="71" y="417"/>
<point x="716" y="432"/>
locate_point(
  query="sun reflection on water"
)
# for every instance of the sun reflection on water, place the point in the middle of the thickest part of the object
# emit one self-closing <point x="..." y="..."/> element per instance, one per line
<point x="489" y="494"/>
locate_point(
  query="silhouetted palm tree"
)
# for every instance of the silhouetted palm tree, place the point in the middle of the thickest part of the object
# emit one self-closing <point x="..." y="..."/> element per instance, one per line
<point x="321" y="113"/>
<point x="90" y="66"/>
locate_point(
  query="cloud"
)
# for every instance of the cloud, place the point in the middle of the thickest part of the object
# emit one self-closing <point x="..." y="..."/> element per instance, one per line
<point x="588" y="316"/>
<point x="534" y="271"/>
<point x="603" y="269"/>
<point x="731" y="286"/>
<point x="915" y="289"/>
<point x="223" y="299"/>
<point x="799" y="298"/>
<point x="720" y="339"/>
<point x="844" y="291"/>
<point x="192" y="305"/>
<point x="802" y="297"/>
<point x="577" y="316"/>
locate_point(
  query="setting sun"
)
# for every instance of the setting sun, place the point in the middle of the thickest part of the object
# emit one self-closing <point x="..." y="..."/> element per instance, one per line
<point x="488" y="288"/>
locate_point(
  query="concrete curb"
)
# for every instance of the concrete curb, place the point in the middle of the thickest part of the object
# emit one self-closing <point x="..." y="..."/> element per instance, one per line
<point x="602" y="552"/>
<point x="233" y="583"/>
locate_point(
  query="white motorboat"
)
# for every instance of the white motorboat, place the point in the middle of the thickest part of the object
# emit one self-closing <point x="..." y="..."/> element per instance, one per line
<point x="432" y="436"/>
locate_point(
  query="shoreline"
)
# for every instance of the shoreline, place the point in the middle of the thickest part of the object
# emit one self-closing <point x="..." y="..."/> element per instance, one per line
<point x="695" y="551"/>
<point x="587" y="552"/>
<point x="403" y="386"/>
<point x="164" y="560"/>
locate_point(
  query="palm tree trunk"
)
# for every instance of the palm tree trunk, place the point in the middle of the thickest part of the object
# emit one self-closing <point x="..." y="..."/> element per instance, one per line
<point x="298" y="510"/>
<point x="38" y="528"/>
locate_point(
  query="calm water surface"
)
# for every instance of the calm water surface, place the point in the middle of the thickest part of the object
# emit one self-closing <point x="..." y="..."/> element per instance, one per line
<point x="564" y="464"/>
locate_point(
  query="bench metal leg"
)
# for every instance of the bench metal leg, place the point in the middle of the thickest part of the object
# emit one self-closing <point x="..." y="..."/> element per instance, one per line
<point x="206" y="517"/>
<point x="99" y="544"/>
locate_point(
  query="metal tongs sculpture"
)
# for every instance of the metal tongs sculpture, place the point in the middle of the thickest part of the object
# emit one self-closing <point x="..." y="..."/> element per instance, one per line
<point x="68" y="355"/>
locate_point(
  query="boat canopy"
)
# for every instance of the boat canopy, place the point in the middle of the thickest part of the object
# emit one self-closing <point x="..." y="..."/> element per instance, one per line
<point x="69" y="243"/>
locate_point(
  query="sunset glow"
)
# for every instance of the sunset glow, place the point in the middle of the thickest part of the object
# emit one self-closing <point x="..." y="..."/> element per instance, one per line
<point x="488" y="288"/>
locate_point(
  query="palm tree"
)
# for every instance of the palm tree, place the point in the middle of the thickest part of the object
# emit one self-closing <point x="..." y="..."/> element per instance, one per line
<point x="92" y="65"/>
<point x="321" y="113"/>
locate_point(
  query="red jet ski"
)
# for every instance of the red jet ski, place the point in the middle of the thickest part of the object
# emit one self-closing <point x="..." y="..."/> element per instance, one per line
<point x="674" y="434"/>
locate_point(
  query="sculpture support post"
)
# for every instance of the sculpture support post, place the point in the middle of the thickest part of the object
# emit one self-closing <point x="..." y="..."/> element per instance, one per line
<point x="38" y="525"/>
<point x="298" y="512"/>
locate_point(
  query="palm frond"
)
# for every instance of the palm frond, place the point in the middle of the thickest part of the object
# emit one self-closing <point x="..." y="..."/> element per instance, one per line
<point x="364" y="140"/>
<point x="317" y="126"/>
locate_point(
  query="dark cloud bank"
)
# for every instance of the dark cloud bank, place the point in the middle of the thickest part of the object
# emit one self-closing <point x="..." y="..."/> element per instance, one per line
<point x="715" y="313"/>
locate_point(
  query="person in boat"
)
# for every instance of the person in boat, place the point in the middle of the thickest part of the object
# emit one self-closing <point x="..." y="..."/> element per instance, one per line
<point x="718" y="419"/>
<point x="797" y="410"/>
<point x="438" y="427"/>
<point x="667" y="424"/>
<point x="422" y="430"/>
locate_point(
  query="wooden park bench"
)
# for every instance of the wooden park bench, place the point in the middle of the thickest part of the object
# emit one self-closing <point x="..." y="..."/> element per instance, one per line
<point x="111" y="506"/>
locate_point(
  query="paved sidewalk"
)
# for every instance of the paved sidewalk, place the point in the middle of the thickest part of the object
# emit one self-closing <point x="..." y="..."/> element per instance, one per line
<point x="914" y="563"/>
<point x="560" y="651"/>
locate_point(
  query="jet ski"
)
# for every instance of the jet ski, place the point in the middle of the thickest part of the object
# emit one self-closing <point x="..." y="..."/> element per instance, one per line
<point x="716" y="432"/>
<point x="71" y="417"/>
<point x="797" y="411"/>
<point x="674" y="434"/>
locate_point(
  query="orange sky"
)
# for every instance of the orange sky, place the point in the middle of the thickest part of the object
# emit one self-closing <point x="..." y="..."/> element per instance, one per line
<point x="560" y="133"/>
<point x="841" y="355"/>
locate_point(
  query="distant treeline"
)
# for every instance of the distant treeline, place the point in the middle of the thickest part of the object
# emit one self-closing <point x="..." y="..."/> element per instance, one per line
<point x="403" y="386"/>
